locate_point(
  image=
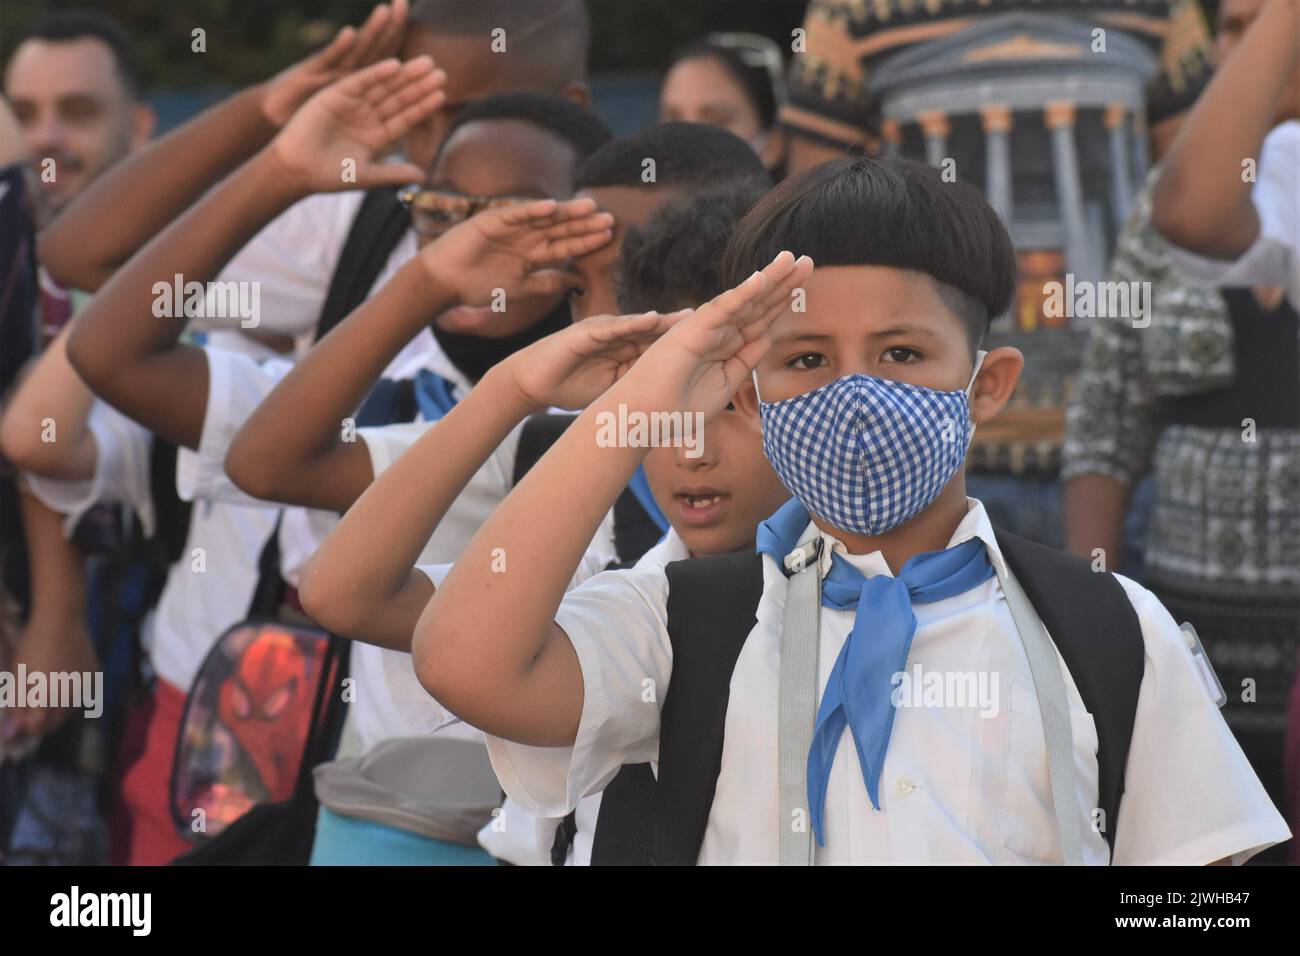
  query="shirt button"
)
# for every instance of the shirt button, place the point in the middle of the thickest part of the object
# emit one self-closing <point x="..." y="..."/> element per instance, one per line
<point x="904" y="787"/>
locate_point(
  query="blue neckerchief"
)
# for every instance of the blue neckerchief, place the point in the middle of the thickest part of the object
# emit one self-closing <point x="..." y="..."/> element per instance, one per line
<point x="639" y="485"/>
<point x="433" y="395"/>
<point x="859" y="693"/>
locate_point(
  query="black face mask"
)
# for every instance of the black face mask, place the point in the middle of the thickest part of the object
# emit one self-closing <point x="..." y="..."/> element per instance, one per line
<point x="473" y="355"/>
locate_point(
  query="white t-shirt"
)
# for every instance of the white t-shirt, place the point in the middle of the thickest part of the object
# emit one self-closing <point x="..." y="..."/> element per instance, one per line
<point x="293" y="259"/>
<point x="210" y="587"/>
<point x="957" y="786"/>
<point x="1274" y="256"/>
<point x="515" y="835"/>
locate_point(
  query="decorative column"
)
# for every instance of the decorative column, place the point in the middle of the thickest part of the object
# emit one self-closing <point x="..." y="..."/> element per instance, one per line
<point x="1121" y="186"/>
<point x="935" y="126"/>
<point x="892" y="133"/>
<point x="1059" y="118"/>
<point x="997" y="158"/>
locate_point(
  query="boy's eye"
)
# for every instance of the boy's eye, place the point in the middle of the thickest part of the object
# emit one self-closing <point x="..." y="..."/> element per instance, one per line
<point x="901" y="354"/>
<point x="808" y="360"/>
<point x="576" y="292"/>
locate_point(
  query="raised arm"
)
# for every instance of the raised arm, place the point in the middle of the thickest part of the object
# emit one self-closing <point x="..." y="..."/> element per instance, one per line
<point x="362" y="582"/>
<point x="487" y="646"/>
<point x="292" y="449"/>
<point x="129" y="354"/>
<point x="137" y="197"/>
<point x="1202" y="201"/>
<point x="44" y="427"/>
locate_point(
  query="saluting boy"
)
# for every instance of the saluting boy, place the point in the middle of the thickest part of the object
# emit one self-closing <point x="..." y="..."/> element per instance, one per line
<point x="772" y="690"/>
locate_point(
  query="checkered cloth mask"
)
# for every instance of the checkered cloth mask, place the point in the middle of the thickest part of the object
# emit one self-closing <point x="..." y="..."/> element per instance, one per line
<point x="867" y="453"/>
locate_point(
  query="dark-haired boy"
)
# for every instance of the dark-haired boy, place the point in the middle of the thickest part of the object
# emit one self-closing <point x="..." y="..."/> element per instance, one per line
<point x="868" y="379"/>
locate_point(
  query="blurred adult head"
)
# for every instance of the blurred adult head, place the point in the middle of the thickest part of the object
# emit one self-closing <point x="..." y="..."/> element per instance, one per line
<point x="489" y="47"/>
<point x="732" y="80"/>
<point x="74" y="85"/>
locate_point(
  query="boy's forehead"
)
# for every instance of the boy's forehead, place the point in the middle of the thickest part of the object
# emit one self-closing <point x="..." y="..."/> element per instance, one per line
<point x="505" y="157"/>
<point x="854" y="301"/>
<point x="629" y="205"/>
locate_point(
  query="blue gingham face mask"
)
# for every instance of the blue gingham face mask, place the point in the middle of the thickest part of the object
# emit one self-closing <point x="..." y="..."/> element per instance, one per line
<point x="865" y="453"/>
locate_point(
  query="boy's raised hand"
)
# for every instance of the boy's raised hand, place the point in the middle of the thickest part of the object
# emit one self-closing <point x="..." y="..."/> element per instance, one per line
<point x="519" y="250"/>
<point x="333" y="142"/>
<point x="351" y="49"/>
<point x="704" y="359"/>
<point x="573" y="367"/>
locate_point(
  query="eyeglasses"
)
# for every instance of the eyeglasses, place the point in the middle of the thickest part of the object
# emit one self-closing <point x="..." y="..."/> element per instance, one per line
<point x="755" y="50"/>
<point x="434" y="210"/>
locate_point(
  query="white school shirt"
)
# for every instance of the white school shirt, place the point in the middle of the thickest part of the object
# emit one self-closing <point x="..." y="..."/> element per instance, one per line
<point x="956" y="787"/>
<point x="210" y="587"/>
<point x="1274" y="257"/>
<point x="293" y="259"/>
<point x="516" y="835"/>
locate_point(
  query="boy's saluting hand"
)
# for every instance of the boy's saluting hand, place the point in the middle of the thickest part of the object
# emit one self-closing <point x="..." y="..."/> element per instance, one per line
<point x="704" y="359"/>
<point x="351" y="49"/>
<point x="518" y="250"/>
<point x="333" y="143"/>
<point x="573" y="367"/>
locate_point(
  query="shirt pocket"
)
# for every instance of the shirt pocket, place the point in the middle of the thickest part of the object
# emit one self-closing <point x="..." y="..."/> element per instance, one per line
<point x="1027" y="815"/>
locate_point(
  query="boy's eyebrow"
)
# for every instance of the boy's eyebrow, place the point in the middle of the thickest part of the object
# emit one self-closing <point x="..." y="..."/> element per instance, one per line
<point x="802" y="337"/>
<point x="881" y="334"/>
<point x="902" y="330"/>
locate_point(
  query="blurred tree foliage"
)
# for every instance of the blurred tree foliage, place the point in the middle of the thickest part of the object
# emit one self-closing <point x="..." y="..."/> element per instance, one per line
<point x="248" y="40"/>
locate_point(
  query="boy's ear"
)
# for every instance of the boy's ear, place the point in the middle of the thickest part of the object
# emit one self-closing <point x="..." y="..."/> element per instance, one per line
<point x="746" y="400"/>
<point x="996" y="381"/>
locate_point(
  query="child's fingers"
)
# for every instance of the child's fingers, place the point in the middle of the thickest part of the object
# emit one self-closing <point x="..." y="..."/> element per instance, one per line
<point x="595" y="222"/>
<point x="391" y="38"/>
<point x="369" y="36"/>
<point x="550" y="282"/>
<point x="560" y="250"/>
<point x="767" y="309"/>
<point x="393" y="174"/>
<point x="358" y="84"/>
<point x="412" y="71"/>
<point x="412" y="115"/>
<point x="414" y="91"/>
<point x="333" y="55"/>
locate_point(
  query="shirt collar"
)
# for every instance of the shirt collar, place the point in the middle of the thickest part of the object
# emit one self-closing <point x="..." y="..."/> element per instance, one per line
<point x="670" y="548"/>
<point x="975" y="524"/>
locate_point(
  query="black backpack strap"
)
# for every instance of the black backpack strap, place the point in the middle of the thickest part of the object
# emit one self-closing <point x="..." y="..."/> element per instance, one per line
<point x="563" y="842"/>
<point x="1092" y="623"/>
<point x="171" y="514"/>
<point x="269" y="590"/>
<point x="392" y="400"/>
<point x="539" y="433"/>
<point x="379" y="225"/>
<point x="635" y="532"/>
<point x="706" y="634"/>
<point x="625" y="826"/>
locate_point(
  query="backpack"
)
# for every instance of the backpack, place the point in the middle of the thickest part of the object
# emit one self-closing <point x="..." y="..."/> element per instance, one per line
<point x="281" y="830"/>
<point x="647" y="821"/>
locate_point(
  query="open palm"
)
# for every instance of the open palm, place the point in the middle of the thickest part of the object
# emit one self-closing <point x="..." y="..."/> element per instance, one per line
<point x="334" y="140"/>
<point x="520" y="250"/>
<point x="573" y="367"/>
<point x="351" y="49"/>
<point x="699" y="364"/>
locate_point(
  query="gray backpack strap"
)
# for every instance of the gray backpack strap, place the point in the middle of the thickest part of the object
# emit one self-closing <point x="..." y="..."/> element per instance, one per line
<point x="1054" y="707"/>
<point x="797" y="714"/>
